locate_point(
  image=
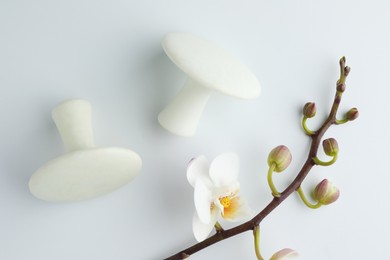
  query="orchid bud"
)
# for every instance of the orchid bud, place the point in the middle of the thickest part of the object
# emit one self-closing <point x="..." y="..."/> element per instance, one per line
<point x="330" y="146"/>
<point x="347" y="70"/>
<point x="340" y="87"/>
<point x="285" y="253"/>
<point x="342" y="61"/>
<point x="352" y="114"/>
<point x="281" y="157"/>
<point x="326" y="193"/>
<point x="309" y="110"/>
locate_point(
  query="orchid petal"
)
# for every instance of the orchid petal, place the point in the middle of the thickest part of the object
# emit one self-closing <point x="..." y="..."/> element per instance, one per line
<point x="224" y="169"/>
<point x="283" y="254"/>
<point x="238" y="210"/>
<point x="202" y="199"/>
<point x="198" y="168"/>
<point x="228" y="190"/>
<point x="202" y="230"/>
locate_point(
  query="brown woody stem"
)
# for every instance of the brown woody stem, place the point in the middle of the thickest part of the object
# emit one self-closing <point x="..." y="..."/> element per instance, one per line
<point x="296" y="183"/>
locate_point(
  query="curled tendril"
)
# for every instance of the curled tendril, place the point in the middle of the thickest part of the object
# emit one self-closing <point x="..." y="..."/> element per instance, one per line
<point x="305" y="128"/>
<point x="306" y="201"/>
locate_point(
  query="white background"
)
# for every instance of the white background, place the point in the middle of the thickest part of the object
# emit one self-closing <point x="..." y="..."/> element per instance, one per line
<point x="109" y="53"/>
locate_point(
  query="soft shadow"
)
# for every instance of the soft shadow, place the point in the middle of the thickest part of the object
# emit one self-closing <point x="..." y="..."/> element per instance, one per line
<point x="162" y="80"/>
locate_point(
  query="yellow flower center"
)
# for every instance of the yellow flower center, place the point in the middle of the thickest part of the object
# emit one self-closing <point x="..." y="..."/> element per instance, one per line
<point x="225" y="201"/>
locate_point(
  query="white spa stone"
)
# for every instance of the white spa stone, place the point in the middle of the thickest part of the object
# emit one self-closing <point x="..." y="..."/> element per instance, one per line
<point x="209" y="68"/>
<point x="84" y="171"/>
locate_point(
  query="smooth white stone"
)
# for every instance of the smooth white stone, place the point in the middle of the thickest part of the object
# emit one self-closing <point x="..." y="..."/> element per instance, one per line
<point x="84" y="172"/>
<point x="73" y="120"/>
<point x="209" y="68"/>
<point x="182" y="115"/>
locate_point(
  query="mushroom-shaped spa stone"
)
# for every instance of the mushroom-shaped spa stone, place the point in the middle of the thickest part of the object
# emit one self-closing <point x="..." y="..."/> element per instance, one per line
<point x="209" y="68"/>
<point x="84" y="171"/>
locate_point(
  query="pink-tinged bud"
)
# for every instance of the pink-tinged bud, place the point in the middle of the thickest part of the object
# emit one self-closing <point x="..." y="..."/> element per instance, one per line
<point x="342" y="61"/>
<point x="309" y="110"/>
<point x="281" y="157"/>
<point x="347" y="70"/>
<point x="283" y="254"/>
<point x="340" y="87"/>
<point x="331" y="146"/>
<point x="352" y="114"/>
<point x="326" y="193"/>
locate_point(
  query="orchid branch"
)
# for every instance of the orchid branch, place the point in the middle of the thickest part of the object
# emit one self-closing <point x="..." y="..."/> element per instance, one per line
<point x="325" y="194"/>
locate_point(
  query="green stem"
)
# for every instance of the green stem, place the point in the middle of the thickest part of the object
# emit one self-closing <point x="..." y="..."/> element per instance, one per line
<point x="304" y="126"/>
<point x="304" y="199"/>
<point x="322" y="163"/>
<point x="341" y="121"/>
<point x="256" y="235"/>
<point x="271" y="184"/>
<point x="218" y="227"/>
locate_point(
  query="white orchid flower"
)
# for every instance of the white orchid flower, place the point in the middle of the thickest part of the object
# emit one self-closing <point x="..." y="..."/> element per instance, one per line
<point x="215" y="192"/>
<point x="284" y="254"/>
